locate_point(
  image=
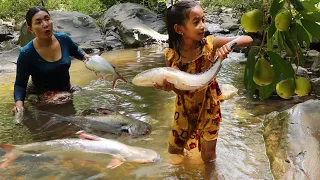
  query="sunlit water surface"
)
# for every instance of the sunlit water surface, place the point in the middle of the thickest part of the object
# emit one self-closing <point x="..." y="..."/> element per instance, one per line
<point x="240" y="149"/>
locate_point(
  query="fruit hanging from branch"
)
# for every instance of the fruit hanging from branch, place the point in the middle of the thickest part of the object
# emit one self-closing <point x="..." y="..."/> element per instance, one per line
<point x="285" y="88"/>
<point x="293" y="25"/>
<point x="252" y="21"/>
<point x="263" y="72"/>
<point x="303" y="86"/>
<point x="283" y="20"/>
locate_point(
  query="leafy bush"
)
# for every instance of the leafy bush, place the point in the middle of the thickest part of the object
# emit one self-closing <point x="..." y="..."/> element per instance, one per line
<point x="83" y="6"/>
<point x="154" y="5"/>
<point x="240" y="4"/>
<point x="16" y="9"/>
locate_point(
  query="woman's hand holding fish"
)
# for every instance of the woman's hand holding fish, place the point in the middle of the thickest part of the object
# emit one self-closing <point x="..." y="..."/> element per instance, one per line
<point x="18" y="107"/>
<point x="166" y="86"/>
<point x="86" y="58"/>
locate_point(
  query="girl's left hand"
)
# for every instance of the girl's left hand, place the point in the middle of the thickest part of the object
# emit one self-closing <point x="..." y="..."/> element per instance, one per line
<point x="223" y="51"/>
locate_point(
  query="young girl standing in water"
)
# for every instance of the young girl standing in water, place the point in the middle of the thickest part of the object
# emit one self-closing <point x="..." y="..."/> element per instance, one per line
<point x="197" y="114"/>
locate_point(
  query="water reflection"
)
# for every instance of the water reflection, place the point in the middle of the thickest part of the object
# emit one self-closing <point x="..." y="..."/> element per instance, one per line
<point x="240" y="148"/>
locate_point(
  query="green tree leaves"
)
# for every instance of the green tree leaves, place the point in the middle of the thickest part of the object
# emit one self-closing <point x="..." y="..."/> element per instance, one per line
<point x="281" y="65"/>
<point x="249" y="84"/>
<point x="276" y="6"/>
<point x="304" y="25"/>
<point x="312" y="27"/>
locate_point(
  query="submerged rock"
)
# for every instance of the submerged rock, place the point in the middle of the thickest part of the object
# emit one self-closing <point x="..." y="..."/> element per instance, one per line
<point x="293" y="141"/>
<point x="228" y="91"/>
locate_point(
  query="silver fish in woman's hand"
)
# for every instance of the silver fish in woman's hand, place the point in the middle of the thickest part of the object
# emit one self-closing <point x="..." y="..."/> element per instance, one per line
<point x="101" y="66"/>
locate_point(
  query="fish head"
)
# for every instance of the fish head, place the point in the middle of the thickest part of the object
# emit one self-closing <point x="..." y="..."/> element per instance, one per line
<point x="93" y="61"/>
<point x="143" y="155"/>
<point x="99" y="64"/>
<point x="89" y="64"/>
<point x="151" y="157"/>
<point x="144" y="78"/>
<point x="139" y="128"/>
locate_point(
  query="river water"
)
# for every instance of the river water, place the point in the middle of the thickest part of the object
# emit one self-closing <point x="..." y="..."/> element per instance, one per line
<point x="240" y="149"/>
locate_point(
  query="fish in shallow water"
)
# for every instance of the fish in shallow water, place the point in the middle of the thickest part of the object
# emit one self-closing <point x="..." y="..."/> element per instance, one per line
<point x="87" y="143"/>
<point x="129" y="153"/>
<point x="180" y="79"/>
<point x="100" y="65"/>
<point x="111" y="123"/>
<point x="18" y="117"/>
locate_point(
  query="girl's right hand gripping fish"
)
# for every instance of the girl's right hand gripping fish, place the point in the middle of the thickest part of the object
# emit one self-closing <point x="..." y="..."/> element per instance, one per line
<point x="101" y="66"/>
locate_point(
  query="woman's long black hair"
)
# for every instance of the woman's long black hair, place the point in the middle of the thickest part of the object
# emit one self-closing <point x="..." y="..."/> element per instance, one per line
<point x="178" y="14"/>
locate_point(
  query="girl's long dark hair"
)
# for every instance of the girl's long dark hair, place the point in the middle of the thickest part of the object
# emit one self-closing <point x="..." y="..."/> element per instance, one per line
<point x="32" y="11"/>
<point x="177" y="14"/>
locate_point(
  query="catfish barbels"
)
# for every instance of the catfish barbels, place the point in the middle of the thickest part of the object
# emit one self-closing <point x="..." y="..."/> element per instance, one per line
<point x="100" y="65"/>
<point x="180" y="79"/>
<point x="88" y="144"/>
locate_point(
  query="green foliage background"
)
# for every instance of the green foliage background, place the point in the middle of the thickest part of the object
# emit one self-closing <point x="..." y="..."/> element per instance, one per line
<point x="16" y="9"/>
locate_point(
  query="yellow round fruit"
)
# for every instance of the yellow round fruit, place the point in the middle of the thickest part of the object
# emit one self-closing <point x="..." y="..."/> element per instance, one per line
<point x="303" y="86"/>
<point x="283" y="20"/>
<point x="252" y="21"/>
<point x="285" y="88"/>
<point x="263" y="72"/>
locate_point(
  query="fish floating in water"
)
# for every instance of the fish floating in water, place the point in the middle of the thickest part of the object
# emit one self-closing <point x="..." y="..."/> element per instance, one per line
<point x="100" y="65"/>
<point x="180" y="79"/>
<point x="114" y="123"/>
<point x="86" y="144"/>
<point x="128" y="153"/>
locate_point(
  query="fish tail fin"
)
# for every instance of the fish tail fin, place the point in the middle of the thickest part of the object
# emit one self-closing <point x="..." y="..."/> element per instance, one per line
<point x="11" y="156"/>
<point x="116" y="78"/>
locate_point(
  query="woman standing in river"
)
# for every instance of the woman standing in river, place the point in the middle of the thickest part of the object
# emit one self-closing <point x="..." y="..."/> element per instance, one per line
<point x="46" y="58"/>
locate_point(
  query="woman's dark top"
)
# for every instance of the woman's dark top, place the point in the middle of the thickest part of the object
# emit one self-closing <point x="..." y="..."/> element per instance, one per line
<point x="45" y="75"/>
